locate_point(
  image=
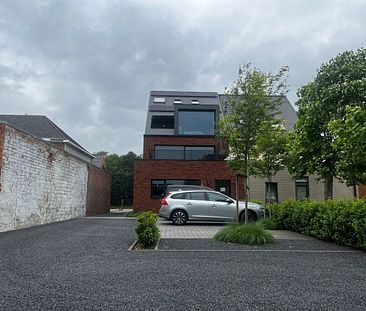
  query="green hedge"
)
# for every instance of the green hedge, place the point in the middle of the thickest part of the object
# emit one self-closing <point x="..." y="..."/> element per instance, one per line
<point x="341" y="221"/>
<point x="147" y="231"/>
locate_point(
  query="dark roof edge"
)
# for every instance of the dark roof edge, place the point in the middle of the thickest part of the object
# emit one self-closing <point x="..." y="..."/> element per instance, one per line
<point x="183" y="93"/>
<point x="49" y="142"/>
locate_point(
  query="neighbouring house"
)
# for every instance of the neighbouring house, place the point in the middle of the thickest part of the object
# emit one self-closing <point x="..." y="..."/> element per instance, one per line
<point x="45" y="175"/>
<point x="180" y="148"/>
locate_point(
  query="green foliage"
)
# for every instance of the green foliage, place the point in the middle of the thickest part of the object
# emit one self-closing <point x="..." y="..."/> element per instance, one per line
<point x="147" y="231"/>
<point x="270" y="150"/>
<point x="339" y="83"/>
<point x="341" y="221"/>
<point x="121" y="167"/>
<point x="350" y="144"/>
<point x="269" y="224"/>
<point x="253" y="102"/>
<point x="250" y="234"/>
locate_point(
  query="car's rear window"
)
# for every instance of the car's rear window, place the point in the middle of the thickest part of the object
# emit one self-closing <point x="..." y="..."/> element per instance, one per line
<point x="179" y="196"/>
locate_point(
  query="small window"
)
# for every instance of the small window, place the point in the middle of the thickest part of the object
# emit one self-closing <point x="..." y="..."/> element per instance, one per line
<point x="162" y="122"/>
<point x="199" y="196"/>
<point x="271" y="192"/>
<point x="177" y="101"/>
<point x="179" y="196"/>
<point x="195" y="102"/>
<point x="159" y="100"/>
<point x="302" y="188"/>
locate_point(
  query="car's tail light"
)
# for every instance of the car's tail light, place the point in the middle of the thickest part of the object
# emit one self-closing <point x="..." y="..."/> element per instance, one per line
<point x="163" y="201"/>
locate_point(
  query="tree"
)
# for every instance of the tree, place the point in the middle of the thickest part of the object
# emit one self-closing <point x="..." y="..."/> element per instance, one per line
<point x="252" y="103"/>
<point x="338" y="83"/>
<point x="350" y="145"/>
<point x="121" y="167"/>
<point x="269" y="153"/>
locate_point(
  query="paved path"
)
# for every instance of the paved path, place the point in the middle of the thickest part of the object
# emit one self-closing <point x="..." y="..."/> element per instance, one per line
<point x="84" y="264"/>
<point x="204" y="230"/>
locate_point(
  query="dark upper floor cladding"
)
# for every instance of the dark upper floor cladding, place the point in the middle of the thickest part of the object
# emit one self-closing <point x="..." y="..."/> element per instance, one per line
<point x="174" y="113"/>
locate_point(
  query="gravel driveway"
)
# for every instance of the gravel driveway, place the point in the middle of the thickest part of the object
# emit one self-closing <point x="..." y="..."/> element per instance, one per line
<point x="83" y="264"/>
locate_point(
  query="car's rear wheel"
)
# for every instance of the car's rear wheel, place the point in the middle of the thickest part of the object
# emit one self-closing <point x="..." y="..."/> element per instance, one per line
<point x="252" y="217"/>
<point x="179" y="217"/>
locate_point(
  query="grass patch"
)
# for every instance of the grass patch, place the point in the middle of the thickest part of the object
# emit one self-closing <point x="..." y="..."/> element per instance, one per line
<point x="269" y="224"/>
<point x="132" y="214"/>
<point x="250" y="234"/>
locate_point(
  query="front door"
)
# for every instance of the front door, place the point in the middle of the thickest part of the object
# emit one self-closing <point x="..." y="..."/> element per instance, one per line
<point x="223" y="186"/>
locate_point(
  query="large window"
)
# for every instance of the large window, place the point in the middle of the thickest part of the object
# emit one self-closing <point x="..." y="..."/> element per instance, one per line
<point x="302" y="188"/>
<point x="196" y="122"/>
<point x="158" y="186"/>
<point x="184" y="152"/>
<point x="271" y="192"/>
<point x="162" y="122"/>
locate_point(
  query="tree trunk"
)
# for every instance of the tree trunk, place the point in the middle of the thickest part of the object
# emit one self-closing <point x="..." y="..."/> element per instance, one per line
<point x="237" y="198"/>
<point x="269" y="197"/>
<point x="246" y="188"/>
<point x="328" y="187"/>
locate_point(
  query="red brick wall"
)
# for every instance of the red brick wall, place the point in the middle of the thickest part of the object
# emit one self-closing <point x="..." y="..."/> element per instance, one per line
<point x="206" y="171"/>
<point x="151" y="141"/>
<point x="362" y="191"/>
<point x="99" y="191"/>
<point x="2" y="140"/>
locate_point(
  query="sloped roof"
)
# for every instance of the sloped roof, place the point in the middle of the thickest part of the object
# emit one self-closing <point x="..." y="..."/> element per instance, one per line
<point x="38" y="126"/>
<point x="99" y="160"/>
<point x="288" y="112"/>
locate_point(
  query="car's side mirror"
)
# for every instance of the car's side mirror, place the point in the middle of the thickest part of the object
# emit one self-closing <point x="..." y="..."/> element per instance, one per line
<point x="228" y="201"/>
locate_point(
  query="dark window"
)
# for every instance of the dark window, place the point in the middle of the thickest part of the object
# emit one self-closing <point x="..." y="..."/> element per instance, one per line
<point x="199" y="196"/>
<point x="302" y="188"/>
<point x="179" y="196"/>
<point x="196" y="122"/>
<point x="198" y="153"/>
<point x="169" y="152"/>
<point x="271" y="192"/>
<point x="223" y="186"/>
<point x="158" y="186"/>
<point x="184" y="152"/>
<point x="162" y="122"/>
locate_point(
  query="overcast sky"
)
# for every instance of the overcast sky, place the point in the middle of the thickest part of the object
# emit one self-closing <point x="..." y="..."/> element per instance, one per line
<point x="90" y="65"/>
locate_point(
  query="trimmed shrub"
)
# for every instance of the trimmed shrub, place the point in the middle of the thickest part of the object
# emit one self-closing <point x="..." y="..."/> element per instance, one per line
<point x="147" y="231"/>
<point x="341" y="221"/>
<point x="250" y="234"/>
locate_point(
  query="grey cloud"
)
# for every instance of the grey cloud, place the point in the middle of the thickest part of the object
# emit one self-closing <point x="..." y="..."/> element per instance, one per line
<point x="89" y="65"/>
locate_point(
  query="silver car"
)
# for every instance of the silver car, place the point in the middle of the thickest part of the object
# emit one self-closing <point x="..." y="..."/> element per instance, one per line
<point x="205" y="205"/>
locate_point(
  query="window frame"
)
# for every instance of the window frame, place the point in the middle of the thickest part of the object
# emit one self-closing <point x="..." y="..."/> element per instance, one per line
<point x="300" y="182"/>
<point x="214" y="111"/>
<point x="184" y="151"/>
<point x="269" y="188"/>
<point x="171" y="122"/>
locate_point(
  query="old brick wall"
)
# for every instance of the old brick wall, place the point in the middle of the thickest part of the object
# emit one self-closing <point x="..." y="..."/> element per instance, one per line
<point x="99" y="191"/>
<point x="40" y="183"/>
<point x="206" y="171"/>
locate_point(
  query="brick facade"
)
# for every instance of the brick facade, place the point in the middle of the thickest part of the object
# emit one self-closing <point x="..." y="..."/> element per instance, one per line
<point x="362" y="191"/>
<point x="99" y="191"/>
<point x="146" y="170"/>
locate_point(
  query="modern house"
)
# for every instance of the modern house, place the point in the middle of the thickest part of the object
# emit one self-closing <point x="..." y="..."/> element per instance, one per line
<point x="180" y="148"/>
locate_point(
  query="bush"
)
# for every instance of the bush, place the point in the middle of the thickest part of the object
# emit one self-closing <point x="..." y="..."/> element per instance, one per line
<point x="250" y="234"/>
<point x="341" y="221"/>
<point x="146" y="228"/>
<point x="269" y="224"/>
